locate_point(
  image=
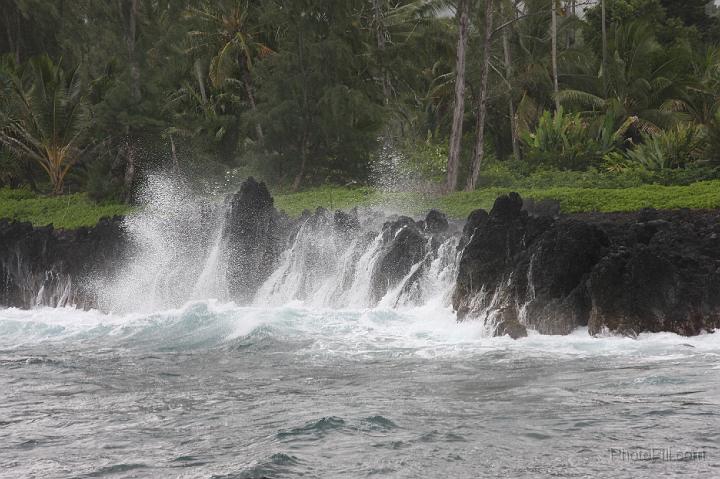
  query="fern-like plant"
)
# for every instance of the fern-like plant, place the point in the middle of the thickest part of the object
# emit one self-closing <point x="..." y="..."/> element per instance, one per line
<point x="677" y="147"/>
<point x="45" y="118"/>
<point x="567" y="141"/>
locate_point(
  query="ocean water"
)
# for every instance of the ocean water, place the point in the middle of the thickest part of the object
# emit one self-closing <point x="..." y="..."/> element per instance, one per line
<point x="322" y="379"/>
<point x="213" y="390"/>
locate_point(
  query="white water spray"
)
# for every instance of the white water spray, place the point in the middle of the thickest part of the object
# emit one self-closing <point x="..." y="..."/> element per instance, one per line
<point x="176" y="252"/>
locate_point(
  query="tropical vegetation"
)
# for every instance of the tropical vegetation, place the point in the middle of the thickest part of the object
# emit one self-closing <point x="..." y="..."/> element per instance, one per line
<point x="477" y="95"/>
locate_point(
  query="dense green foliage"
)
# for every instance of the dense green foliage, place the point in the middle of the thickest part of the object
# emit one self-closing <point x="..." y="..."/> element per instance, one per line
<point x="303" y="93"/>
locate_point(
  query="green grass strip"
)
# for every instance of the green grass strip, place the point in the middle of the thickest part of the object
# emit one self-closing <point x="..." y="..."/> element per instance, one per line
<point x="63" y="212"/>
<point x="76" y="210"/>
<point x="702" y="195"/>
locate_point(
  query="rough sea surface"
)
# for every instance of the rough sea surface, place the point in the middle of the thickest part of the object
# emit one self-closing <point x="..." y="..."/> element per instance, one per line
<point x="216" y="390"/>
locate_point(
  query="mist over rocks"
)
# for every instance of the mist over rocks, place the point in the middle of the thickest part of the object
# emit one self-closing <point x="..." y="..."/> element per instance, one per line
<point x="255" y="233"/>
<point x="518" y="267"/>
<point x="359" y="258"/>
<point x="406" y="244"/>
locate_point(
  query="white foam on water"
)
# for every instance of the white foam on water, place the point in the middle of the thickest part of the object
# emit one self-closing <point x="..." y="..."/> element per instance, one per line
<point x="426" y="331"/>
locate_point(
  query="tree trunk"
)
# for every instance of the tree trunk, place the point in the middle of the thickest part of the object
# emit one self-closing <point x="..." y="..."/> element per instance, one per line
<point x="571" y="33"/>
<point x="380" y="37"/>
<point x="306" y="114"/>
<point x="508" y="75"/>
<point x="58" y="184"/>
<point x="456" y="133"/>
<point x="247" y="81"/>
<point x="553" y="34"/>
<point x="132" y="58"/>
<point x="481" y="109"/>
<point x="129" y="10"/>
<point x="129" y="178"/>
<point x="54" y="163"/>
<point x="303" y="161"/>
<point x="604" y="46"/>
<point x="201" y="81"/>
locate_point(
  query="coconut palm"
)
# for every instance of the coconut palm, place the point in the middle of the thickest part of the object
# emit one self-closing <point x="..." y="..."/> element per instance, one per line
<point x="46" y="118"/>
<point x="638" y="81"/>
<point x="234" y="44"/>
<point x="700" y="99"/>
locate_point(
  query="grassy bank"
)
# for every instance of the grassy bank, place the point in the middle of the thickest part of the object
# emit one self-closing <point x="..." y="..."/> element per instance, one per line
<point x="700" y="195"/>
<point x="63" y="212"/>
<point x="73" y="211"/>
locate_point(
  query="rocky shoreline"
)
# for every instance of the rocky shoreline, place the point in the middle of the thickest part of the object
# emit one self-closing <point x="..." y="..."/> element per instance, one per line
<point x="519" y="267"/>
<point x="45" y="266"/>
<point x="649" y="271"/>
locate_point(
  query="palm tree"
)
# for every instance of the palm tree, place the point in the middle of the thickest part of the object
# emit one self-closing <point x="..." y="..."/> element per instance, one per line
<point x="638" y="81"/>
<point x="554" y="54"/>
<point x="234" y="44"/>
<point x="46" y="118"/>
<point x="532" y="77"/>
<point x="700" y="100"/>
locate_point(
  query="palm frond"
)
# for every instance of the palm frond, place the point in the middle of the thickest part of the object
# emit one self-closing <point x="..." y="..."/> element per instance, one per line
<point x="578" y="98"/>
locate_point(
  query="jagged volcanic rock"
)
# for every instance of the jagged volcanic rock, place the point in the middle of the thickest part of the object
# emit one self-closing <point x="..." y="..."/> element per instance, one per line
<point x="404" y="246"/>
<point x="42" y="265"/>
<point x="667" y="279"/>
<point x="436" y="222"/>
<point x="256" y="234"/>
<point x="626" y="273"/>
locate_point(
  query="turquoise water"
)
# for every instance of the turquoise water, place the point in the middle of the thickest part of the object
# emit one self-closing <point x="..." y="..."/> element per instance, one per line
<point x="217" y="390"/>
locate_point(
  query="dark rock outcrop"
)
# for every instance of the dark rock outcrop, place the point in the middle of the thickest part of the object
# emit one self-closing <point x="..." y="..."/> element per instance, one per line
<point x="626" y="273"/>
<point x="407" y="244"/>
<point x="256" y="236"/>
<point x="346" y="223"/>
<point x="42" y="265"/>
<point x="663" y="275"/>
<point x="555" y="268"/>
<point x="404" y="245"/>
<point x="497" y="265"/>
<point x="436" y="222"/>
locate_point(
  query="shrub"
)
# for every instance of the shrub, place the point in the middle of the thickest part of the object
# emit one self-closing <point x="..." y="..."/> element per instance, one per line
<point x="426" y="158"/>
<point x="562" y="140"/>
<point x="499" y="174"/>
<point x="712" y="149"/>
<point x="102" y="184"/>
<point x="16" y="194"/>
<point x="677" y="147"/>
<point x="502" y="175"/>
